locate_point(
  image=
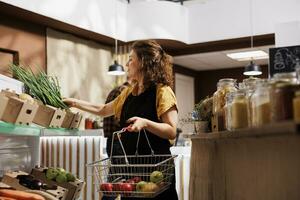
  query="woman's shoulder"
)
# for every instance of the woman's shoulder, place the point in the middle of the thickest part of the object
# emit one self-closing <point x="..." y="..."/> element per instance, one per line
<point x="165" y="99"/>
<point x="164" y="90"/>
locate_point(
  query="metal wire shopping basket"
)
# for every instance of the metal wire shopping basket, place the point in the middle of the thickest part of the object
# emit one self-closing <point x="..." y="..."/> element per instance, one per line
<point x="131" y="175"/>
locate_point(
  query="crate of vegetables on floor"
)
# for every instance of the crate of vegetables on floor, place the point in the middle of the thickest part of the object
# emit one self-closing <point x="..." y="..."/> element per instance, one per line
<point x="60" y="177"/>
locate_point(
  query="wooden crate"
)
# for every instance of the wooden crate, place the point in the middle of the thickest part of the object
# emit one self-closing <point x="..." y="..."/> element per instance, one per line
<point x="10" y="179"/>
<point x="74" y="188"/>
<point x="3" y="104"/>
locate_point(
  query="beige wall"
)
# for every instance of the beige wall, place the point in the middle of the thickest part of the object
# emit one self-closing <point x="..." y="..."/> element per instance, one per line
<point x="80" y="65"/>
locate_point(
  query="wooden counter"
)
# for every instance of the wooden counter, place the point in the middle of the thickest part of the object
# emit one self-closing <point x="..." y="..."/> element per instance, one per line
<point x="250" y="164"/>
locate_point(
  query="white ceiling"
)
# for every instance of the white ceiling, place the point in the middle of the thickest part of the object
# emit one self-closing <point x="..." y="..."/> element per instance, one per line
<point x="216" y="60"/>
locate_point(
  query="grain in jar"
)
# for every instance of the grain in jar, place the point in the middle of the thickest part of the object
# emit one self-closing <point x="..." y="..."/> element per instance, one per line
<point x="282" y="101"/>
<point x="239" y="111"/>
<point x="260" y="104"/>
<point x="250" y="86"/>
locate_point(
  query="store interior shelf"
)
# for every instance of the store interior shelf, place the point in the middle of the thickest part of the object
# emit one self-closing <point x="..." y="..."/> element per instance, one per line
<point x="66" y="132"/>
<point x="18" y="130"/>
<point x="279" y="128"/>
<point x="32" y="130"/>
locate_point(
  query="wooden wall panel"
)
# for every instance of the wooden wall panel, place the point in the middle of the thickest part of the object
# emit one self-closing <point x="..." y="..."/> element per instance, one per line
<point x="28" y="39"/>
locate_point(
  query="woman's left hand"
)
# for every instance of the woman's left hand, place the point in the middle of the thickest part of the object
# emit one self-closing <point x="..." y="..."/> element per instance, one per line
<point x="137" y="124"/>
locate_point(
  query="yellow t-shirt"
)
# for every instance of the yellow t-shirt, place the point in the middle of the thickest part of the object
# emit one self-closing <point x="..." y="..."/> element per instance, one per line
<point x="165" y="99"/>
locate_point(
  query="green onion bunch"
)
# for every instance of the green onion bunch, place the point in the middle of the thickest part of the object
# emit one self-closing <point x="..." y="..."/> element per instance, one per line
<point x="40" y="86"/>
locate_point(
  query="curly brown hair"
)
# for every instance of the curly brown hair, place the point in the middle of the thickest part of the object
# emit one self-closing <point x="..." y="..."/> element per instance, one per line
<point x="156" y="65"/>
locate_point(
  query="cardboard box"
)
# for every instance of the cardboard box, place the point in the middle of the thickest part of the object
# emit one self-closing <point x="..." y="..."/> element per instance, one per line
<point x="3" y="104"/>
<point x="9" y="93"/>
<point x="48" y="116"/>
<point x="76" y="121"/>
<point x="57" y="118"/>
<point x="18" y="111"/>
<point x="74" y="188"/>
<point x="68" y="119"/>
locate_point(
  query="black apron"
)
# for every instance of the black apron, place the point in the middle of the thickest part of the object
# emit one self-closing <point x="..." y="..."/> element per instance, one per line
<point x="144" y="105"/>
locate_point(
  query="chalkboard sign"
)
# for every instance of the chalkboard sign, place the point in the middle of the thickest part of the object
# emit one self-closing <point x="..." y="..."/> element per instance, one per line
<point x="283" y="59"/>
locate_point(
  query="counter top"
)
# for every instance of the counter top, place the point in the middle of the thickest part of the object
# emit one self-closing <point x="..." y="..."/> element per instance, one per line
<point x="65" y="132"/>
<point x="280" y="128"/>
<point x="33" y="130"/>
<point x="18" y="130"/>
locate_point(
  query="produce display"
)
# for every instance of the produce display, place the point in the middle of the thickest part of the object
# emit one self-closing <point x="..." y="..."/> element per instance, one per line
<point x="60" y="178"/>
<point x="41" y="103"/>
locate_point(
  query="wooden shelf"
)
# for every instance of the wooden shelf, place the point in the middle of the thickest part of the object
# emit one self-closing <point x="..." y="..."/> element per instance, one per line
<point x="280" y="128"/>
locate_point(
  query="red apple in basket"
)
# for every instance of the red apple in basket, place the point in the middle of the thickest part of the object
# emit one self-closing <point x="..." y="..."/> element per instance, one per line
<point x="137" y="179"/>
<point x="127" y="188"/>
<point x="132" y="183"/>
<point x="117" y="186"/>
<point x="106" y="187"/>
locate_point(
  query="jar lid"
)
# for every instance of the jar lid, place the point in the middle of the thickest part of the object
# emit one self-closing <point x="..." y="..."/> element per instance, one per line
<point x="289" y="77"/>
<point x="283" y="84"/>
<point x="226" y="81"/>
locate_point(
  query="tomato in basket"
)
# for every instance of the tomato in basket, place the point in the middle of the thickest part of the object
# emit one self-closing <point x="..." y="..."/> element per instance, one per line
<point x="136" y="179"/>
<point x="106" y="187"/>
<point x="127" y="187"/>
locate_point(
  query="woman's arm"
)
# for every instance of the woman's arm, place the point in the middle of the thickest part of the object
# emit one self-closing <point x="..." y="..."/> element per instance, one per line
<point x="166" y="129"/>
<point x="103" y="110"/>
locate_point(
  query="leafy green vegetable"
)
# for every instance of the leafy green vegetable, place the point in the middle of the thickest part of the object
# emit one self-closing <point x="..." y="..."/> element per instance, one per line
<point x="41" y="86"/>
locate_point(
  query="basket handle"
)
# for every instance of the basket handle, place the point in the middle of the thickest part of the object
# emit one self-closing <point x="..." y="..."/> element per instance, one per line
<point x="138" y="141"/>
<point x="118" y="133"/>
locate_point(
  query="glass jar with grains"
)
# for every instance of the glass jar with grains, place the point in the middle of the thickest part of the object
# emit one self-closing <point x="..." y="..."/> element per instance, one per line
<point x="282" y="101"/>
<point x="227" y="110"/>
<point x="250" y="86"/>
<point x="260" y="104"/>
<point x="238" y="117"/>
<point x="224" y="86"/>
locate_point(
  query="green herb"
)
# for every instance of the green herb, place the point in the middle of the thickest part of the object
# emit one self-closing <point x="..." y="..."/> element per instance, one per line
<point x="41" y="86"/>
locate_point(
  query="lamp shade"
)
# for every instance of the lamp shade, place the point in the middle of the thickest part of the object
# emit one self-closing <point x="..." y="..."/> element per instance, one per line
<point x="252" y="69"/>
<point x="116" y="69"/>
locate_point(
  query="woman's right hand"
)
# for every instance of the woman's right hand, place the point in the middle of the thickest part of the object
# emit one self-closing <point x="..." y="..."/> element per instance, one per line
<point x="71" y="102"/>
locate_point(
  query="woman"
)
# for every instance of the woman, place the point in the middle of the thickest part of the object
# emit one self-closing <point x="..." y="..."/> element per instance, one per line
<point x="148" y="104"/>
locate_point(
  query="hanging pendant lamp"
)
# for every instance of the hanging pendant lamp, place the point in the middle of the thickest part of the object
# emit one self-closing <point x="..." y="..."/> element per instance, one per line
<point x="252" y="69"/>
<point x="116" y="69"/>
